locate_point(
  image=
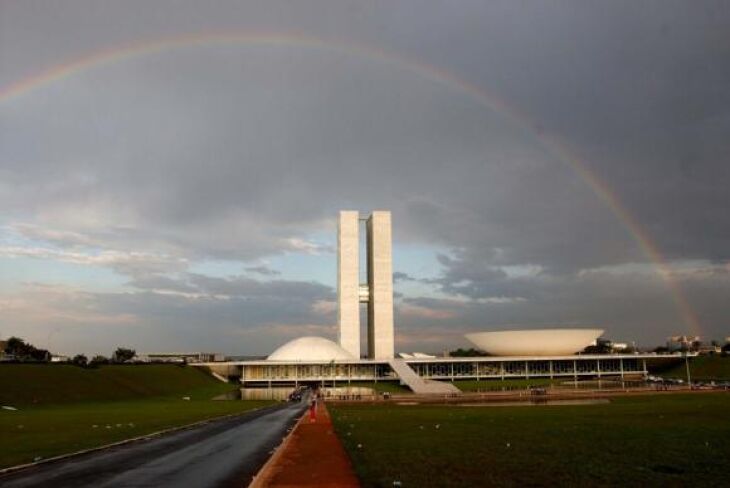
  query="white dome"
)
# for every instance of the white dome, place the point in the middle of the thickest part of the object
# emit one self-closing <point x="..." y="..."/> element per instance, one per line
<point x="541" y="342"/>
<point x="310" y="349"/>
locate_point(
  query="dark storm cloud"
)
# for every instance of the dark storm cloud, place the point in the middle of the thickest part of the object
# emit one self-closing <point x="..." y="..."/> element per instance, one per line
<point x="235" y="315"/>
<point x="475" y="280"/>
<point x="401" y="276"/>
<point x="242" y="310"/>
<point x="637" y="95"/>
<point x="629" y="306"/>
<point x="240" y="152"/>
<point x="235" y="324"/>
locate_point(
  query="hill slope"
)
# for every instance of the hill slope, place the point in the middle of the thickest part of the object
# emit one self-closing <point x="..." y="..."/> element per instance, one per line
<point x="703" y="368"/>
<point x="43" y="384"/>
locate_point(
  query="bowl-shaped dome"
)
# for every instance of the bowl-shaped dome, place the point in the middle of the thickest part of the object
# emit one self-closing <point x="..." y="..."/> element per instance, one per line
<point x="310" y="349"/>
<point x="542" y="342"/>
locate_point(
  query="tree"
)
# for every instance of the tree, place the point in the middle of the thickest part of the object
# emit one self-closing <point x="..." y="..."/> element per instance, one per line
<point x="602" y="346"/>
<point x="15" y="345"/>
<point x="24" y="351"/>
<point x="98" y="359"/>
<point x="123" y="354"/>
<point x="39" y="354"/>
<point x="464" y="353"/>
<point x="80" y="360"/>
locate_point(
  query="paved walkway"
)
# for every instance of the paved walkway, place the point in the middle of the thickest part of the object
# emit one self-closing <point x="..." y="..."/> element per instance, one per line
<point x="313" y="456"/>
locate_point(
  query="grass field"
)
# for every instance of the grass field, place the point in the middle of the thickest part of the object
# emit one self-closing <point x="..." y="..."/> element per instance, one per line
<point x="702" y="368"/>
<point x="64" y="408"/>
<point x="498" y="385"/>
<point x="668" y="440"/>
<point x="41" y="432"/>
<point x="44" y="384"/>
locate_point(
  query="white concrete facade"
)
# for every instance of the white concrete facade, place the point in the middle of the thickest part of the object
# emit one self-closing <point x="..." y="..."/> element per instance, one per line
<point x="380" y="283"/>
<point x="377" y="293"/>
<point x="348" y="282"/>
<point x="540" y="342"/>
<point x="584" y="366"/>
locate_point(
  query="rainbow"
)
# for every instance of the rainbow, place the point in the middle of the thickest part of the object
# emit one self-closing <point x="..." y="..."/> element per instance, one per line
<point x="435" y="74"/>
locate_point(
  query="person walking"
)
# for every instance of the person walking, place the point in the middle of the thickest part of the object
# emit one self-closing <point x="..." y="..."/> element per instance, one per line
<point x="313" y="410"/>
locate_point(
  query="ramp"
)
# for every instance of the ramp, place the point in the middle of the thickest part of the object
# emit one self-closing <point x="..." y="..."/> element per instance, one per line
<point x="219" y="377"/>
<point x="417" y="384"/>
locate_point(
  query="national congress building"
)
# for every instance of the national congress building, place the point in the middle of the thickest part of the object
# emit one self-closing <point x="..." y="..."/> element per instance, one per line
<point x="546" y="353"/>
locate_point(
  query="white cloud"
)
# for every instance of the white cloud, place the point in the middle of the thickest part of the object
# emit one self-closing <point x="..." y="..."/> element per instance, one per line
<point x="124" y="262"/>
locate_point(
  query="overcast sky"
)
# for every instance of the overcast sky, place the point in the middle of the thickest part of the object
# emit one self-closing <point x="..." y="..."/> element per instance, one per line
<point x="183" y="195"/>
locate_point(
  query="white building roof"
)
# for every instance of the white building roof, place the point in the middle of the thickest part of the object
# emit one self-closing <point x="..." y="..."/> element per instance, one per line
<point x="541" y="342"/>
<point x="310" y="349"/>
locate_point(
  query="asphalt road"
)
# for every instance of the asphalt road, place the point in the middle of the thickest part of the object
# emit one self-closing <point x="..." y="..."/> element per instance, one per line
<point x="221" y="453"/>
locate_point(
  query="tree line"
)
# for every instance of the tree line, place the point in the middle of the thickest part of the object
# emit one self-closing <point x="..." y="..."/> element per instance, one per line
<point x="17" y="349"/>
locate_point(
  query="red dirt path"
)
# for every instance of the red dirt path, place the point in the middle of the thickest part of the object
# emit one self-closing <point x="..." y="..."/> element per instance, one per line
<point x="314" y="456"/>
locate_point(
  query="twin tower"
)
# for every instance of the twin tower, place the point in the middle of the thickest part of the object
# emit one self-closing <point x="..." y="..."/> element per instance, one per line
<point x="377" y="292"/>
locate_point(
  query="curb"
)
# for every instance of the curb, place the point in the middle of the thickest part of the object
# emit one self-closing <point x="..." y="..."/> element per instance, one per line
<point x="264" y="474"/>
<point x="61" y="457"/>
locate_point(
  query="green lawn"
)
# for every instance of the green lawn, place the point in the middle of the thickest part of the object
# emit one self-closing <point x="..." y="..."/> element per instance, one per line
<point x="63" y="408"/>
<point x="44" y="384"/>
<point x="498" y="385"/>
<point x="51" y="430"/>
<point x="702" y="368"/>
<point x="668" y="440"/>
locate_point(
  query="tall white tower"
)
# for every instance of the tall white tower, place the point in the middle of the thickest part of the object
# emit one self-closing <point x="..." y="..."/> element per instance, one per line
<point x="348" y="282"/>
<point x="377" y="292"/>
<point x="380" y="286"/>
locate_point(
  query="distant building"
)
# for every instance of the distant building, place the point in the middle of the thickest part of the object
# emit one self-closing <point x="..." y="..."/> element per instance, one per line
<point x="59" y="358"/>
<point x="181" y="357"/>
<point x="709" y="349"/>
<point x="683" y="343"/>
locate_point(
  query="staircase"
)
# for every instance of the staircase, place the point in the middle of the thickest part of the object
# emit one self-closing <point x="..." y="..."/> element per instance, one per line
<point x="417" y="384"/>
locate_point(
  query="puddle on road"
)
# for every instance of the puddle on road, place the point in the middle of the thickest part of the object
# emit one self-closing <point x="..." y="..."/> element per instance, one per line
<point x="274" y="393"/>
